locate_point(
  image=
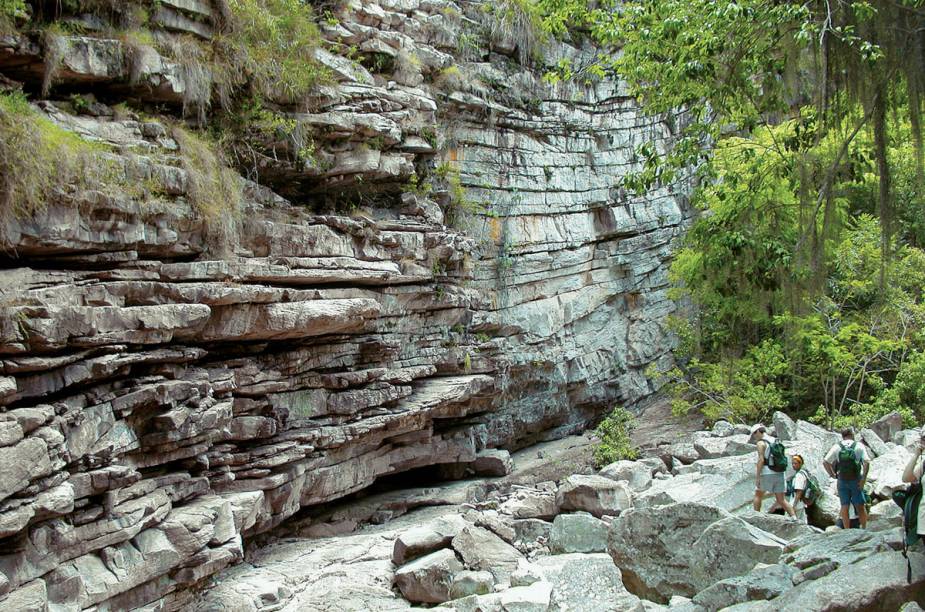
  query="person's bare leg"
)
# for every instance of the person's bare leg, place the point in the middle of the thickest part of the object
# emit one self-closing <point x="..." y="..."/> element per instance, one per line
<point x="782" y="502"/>
<point x="843" y="513"/>
<point x="862" y="515"/>
<point x="756" y="504"/>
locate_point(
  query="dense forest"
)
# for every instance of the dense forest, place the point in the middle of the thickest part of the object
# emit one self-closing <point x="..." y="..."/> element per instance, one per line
<point x="804" y="268"/>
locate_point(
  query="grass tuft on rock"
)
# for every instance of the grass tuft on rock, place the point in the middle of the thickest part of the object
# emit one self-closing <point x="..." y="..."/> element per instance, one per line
<point x="214" y="189"/>
<point x="37" y="157"/>
<point x="269" y="45"/>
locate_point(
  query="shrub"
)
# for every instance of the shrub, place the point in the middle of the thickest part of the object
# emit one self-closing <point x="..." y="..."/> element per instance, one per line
<point x="214" y="189"/>
<point x="193" y="60"/>
<point x="520" y="21"/>
<point x="269" y="45"/>
<point x="10" y="11"/>
<point x="37" y="157"/>
<point x="614" y="433"/>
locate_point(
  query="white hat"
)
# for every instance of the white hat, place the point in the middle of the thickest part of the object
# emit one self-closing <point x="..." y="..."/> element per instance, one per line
<point x="755" y="428"/>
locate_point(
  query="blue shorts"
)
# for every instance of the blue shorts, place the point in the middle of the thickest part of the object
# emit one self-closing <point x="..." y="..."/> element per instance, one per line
<point x="849" y="492"/>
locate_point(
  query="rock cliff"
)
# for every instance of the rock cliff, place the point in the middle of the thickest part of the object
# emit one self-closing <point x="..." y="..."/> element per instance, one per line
<point x="173" y="380"/>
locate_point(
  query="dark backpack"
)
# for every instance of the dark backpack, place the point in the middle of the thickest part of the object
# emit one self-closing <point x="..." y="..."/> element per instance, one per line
<point x="909" y="499"/>
<point x="812" y="491"/>
<point x="777" y="457"/>
<point x="848" y="467"/>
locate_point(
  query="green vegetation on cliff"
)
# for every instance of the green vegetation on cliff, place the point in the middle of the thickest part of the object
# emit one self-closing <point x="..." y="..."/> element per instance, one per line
<point x="803" y="268"/>
<point x="37" y="158"/>
<point x="269" y="47"/>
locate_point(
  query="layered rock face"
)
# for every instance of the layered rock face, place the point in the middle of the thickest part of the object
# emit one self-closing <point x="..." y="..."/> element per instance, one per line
<point x="172" y="383"/>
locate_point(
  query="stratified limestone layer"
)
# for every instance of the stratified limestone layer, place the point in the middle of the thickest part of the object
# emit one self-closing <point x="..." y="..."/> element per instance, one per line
<point x="170" y="385"/>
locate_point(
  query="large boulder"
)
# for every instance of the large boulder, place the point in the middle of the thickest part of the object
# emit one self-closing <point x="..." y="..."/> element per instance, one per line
<point x="428" y="579"/>
<point x="471" y="583"/>
<point x="873" y="442"/>
<point x="821" y="553"/>
<point x="884" y="516"/>
<point x="427" y="538"/>
<point x="812" y="442"/>
<point x="529" y="532"/>
<point x="637" y="474"/>
<point x="908" y="438"/>
<point x="683" y="452"/>
<point x="731" y="547"/>
<point x="727" y="483"/>
<point x="586" y="582"/>
<point x="683" y="548"/>
<point x="721" y="429"/>
<point x="877" y="582"/>
<point x="783" y="527"/>
<point x="712" y="447"/>
<point x="655" y="464"/>
<point x="578" y="533"/>
<point x="535" y="597"/>
<point x="888" y="426"/>
<point x="595" y="494"/>
<point x="784" y="427"/>
<point x="761" y="583"/>
<point x="886" y="471"/>
<point x="480" y="549"/>
<point x="493" y="462"/>
<point x="530" y="504"/>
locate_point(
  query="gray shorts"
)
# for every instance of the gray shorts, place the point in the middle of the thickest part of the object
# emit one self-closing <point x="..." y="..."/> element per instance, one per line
<point x="773" y="483"/>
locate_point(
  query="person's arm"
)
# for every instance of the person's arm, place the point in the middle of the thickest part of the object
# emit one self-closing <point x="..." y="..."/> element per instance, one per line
<point x="912" y="472"/>
<point x="760" y="464"/>
<point x="828" y="465"/>
<point x="797" y="497"/>
<point x="865" y="458"/>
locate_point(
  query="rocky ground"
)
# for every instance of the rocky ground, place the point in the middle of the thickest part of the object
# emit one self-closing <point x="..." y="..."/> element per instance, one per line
<point x="668" y="532"/>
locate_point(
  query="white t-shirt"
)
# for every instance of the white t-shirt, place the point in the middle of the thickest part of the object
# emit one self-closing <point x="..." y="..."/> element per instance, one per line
<point x="860" y="452"/>
<point x="799" y="482"/>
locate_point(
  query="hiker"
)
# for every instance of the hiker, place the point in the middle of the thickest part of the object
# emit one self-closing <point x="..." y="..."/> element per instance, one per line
<point x="913" y="474"/>
<point x="848" y="462"/>
<point x="770" y="470"/>
<point x="800" y="490"/>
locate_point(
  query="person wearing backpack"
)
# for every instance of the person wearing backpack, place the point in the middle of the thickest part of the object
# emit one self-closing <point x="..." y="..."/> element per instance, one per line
<point x="848" y="462"/>
<point x="802" y="489"/>
<point x="913" y="475"/>
<point x="770" y="470"/>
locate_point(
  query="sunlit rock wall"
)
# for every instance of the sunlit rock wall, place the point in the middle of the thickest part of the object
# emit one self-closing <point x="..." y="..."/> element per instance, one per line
<point x="170" y="385"/>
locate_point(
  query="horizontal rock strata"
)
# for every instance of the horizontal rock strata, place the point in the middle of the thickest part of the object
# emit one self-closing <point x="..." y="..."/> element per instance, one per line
<point x="172" y="384"/>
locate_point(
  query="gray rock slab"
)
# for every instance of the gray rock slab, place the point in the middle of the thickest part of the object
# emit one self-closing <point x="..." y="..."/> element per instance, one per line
<point x="481" y="549"/>
<point x="426" y="538"/>
<point x="587" y="582"/>
<point x="761" y="583"/>
<point x="578" y="533"/>
<point x="877" y="582"/>
<point x="595" y="494"/>
<point x="467" y="583"/>
<point x="428" y="579"/>
<point x="636" y="473"/>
